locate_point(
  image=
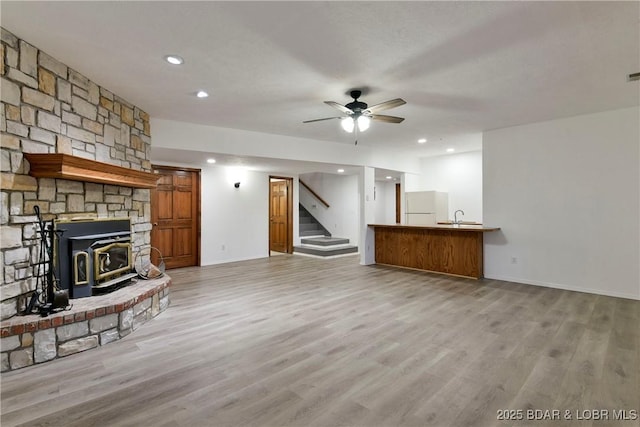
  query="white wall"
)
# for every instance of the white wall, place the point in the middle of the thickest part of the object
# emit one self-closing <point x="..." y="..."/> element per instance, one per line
<point x="413" y="182"/>
<point x="460" y="175"/>
<point x="566" y="194"/>
<point x="341" y="193"/>
<point x="170" y="134"/>
<point x="235" y="222"/>
<point x="211" y="139"/>
<point x="385" y="202"/>
<point x="366" y="185"/>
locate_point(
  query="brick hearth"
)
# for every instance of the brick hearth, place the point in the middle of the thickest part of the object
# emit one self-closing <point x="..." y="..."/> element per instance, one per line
<point x="90" y="323"/>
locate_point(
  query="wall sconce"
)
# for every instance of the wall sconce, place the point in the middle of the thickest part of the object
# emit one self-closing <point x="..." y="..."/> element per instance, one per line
<point x="237" y="185"/>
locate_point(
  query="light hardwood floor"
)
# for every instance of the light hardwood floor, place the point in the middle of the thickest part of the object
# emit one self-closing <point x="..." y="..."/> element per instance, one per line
<point x="297" y="341"/>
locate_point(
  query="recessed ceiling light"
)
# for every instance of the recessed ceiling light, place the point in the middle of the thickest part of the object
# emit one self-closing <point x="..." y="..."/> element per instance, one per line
<point x="211" y="160"/>
<point x="389" y="177"/>
<point x="202" y="94"/>
<point x="450" y="150"/>
<point x="340" y="170"/>
<point x="174" y="59"/>
<point x="422" y="140"/>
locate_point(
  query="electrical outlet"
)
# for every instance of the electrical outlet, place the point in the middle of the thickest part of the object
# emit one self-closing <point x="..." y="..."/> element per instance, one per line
<point x="514" y="260"/>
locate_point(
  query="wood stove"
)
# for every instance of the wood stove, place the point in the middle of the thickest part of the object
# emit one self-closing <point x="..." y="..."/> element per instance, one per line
<point x="93" y="256"/>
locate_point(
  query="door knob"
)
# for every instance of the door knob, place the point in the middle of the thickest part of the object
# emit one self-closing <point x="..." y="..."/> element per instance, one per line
<point x="155" y="223"/>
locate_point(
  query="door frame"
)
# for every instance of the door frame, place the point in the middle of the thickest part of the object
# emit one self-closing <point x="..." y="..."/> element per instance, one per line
<point x="198" y="173"/>
<point x="289" y="213"/>
<point x="398" y="203"/>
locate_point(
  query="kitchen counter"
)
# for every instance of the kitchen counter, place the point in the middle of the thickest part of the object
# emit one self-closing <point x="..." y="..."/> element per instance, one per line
<point x="455" y="227"/>
<point x="441" y="248"/>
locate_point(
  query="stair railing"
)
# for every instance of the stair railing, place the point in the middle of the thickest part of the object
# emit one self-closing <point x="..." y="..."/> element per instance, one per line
<point x="313" y="193"/>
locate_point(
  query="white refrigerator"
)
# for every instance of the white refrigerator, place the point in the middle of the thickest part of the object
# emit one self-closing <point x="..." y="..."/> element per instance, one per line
<point x="426" y="207"/>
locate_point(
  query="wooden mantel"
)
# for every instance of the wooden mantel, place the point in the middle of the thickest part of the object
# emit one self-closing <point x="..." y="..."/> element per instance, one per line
<point x="65" y="166"/>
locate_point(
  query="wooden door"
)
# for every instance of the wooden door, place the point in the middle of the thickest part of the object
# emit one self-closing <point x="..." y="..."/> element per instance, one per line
<point x="175" y="215"/>
<point x="281" y="215"/>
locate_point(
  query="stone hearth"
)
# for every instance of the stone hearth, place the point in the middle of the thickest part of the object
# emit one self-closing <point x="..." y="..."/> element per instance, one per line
<point x="91" y="322"/>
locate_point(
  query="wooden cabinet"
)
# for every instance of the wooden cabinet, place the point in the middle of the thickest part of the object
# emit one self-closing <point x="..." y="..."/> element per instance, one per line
<point x="442" y="249"/>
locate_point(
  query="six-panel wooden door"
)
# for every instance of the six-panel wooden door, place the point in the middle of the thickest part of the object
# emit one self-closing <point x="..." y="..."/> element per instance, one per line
<point x="175" y="216"/>
<point x="280" y="215"/>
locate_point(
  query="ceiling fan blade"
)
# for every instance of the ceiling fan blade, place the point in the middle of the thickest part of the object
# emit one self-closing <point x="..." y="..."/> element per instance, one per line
<point x="386" y="119"/>
<point x="385" y="106"/>
<point x="339" y="107"/>
<point x="319" y="120"/>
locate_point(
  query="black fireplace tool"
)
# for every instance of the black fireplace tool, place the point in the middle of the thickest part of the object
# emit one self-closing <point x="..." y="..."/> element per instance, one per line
<point x="47" y="298"/>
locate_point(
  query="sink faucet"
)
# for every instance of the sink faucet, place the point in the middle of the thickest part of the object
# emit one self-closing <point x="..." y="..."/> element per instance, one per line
<point x="455" y="216"/>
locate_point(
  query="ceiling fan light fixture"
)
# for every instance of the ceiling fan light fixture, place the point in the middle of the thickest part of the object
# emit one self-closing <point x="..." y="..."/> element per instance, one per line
<point x="347" y="124"/>
<point x="363" y="123"/>
<point x="360" y="114"/>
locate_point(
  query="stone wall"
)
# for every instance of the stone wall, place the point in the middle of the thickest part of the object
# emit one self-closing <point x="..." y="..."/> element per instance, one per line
<point x="47" y="107"/>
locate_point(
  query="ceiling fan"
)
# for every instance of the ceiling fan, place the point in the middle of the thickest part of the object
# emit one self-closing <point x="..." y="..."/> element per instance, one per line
<point x="358" y="115"/>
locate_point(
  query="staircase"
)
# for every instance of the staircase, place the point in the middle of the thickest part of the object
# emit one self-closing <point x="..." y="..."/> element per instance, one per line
<point x="309" y="226"/>
<point x="317" y="241"/>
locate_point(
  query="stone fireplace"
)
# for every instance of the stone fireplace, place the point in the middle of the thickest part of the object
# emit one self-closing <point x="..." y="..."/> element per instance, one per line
<point x="81" y="154"/>
<point x="99" y="143"/>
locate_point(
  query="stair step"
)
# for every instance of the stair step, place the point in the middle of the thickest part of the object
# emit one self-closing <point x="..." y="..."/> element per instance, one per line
<point x="313" y="233"/>
<point x="310" y="226"/>
<point x="325" y="252"/>
<point x="325" y="241"/>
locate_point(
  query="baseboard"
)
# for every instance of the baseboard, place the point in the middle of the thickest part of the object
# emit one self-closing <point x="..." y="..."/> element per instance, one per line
<point x="565" y="287"/>
<point x="226" y="261"/>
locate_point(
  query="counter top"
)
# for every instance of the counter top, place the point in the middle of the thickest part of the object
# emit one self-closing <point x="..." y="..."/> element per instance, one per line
<point x="449" y="227"/>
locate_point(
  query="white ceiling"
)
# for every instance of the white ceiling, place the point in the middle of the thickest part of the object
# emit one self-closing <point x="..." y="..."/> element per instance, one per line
<point x="462" y="67"/>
